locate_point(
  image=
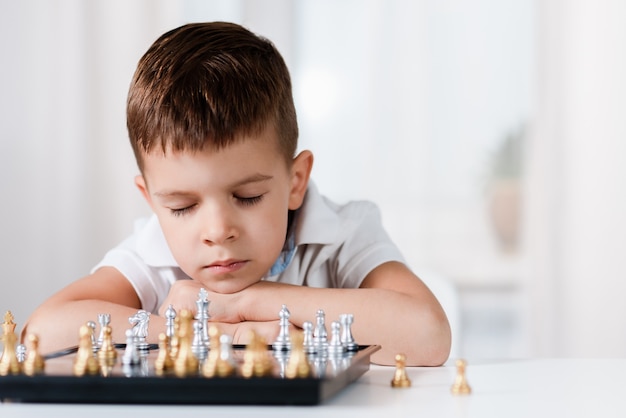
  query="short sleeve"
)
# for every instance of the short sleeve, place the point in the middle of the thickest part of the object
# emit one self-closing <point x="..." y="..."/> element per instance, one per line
<point x="366" y="244"/>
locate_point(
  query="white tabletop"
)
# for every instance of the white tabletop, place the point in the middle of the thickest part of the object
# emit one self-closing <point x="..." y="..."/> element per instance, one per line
<point x="509" y="388"/>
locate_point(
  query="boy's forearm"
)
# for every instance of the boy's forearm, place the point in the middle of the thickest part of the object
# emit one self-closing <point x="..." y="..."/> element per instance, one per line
<point x="398" y="322"/>
<point x="58" y="326"/>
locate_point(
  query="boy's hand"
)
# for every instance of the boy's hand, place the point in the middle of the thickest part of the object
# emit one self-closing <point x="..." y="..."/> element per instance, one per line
<point x="241" y="332"/>
<point x="184" y="293"/>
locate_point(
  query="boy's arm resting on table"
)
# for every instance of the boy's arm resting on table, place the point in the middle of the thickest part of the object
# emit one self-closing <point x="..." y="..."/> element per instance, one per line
<point x="58" y="320"/>
<point x="393" y="308"/>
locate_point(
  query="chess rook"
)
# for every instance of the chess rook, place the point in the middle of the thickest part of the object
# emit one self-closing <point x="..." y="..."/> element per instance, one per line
<point x="346" y="332"/>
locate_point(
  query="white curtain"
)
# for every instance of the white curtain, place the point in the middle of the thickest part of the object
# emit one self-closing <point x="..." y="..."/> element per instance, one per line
<point x="403" y="102"/>
<point x="576" y="230"/>
<point x="66" y="167"/>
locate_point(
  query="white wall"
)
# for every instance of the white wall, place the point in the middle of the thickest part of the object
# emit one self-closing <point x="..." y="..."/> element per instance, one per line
<point x="402" y="102"/>
<point x="576" y="231"/>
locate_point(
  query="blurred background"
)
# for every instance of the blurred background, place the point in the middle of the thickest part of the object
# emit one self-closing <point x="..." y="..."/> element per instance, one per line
<point x="492" y="134"/>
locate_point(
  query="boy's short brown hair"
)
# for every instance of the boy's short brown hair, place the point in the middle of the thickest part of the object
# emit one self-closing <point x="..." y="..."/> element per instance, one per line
<point x="201" y="85"/>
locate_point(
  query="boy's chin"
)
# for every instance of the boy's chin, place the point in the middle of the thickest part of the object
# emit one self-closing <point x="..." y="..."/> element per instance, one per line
<point x="228" y="286"/>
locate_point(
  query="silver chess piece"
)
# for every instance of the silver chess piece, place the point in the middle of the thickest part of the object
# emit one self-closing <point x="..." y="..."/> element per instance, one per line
<point x="170" y="319"/>
<point x="346" y="332"/>
<point x="202" y="314"/>
<point x="20" y="353"/>
<point x="335" y="347"/>
<point x="320" y="335"/>
<point x="283" y="341"/>
<point x="198" y="346"/>
<point x="92" y="335"/>
<point x="103" y="320"/>
<point x="227" y="359"/>
<point x="307" y="337"/>
<point x="139" y="331"/>
<point x="131" y="354"/>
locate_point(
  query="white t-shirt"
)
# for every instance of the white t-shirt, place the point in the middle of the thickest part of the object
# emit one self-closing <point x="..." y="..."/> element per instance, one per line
<point x="330" y="246"/>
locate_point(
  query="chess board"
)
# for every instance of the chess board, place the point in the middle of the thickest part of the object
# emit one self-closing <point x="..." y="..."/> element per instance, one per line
<point x="140" y="384"/>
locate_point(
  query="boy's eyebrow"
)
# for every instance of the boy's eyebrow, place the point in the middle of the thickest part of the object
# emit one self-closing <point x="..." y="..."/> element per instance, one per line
<point x="255" y="178"/>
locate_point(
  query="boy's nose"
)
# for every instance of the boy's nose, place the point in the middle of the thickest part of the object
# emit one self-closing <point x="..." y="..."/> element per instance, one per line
<point x="219" y="228"/>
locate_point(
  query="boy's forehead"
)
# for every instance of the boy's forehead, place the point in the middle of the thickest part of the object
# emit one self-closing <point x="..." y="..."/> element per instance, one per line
<point x="264" y="145"/>
<point x="173" y="145"/>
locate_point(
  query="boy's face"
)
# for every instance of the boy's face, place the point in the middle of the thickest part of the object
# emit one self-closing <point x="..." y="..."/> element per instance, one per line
<point x="224" y="213"/>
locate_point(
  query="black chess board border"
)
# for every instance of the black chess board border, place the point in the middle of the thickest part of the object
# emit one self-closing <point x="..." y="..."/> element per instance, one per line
<point x="120" y="389"/>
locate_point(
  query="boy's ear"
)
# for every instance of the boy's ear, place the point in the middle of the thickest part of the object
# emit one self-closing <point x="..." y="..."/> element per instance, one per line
<point x="300" y="173"/>
<point x="140" y="182"/>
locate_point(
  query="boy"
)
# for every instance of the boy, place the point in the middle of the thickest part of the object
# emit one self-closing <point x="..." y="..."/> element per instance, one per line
<point x="213" y="127"/>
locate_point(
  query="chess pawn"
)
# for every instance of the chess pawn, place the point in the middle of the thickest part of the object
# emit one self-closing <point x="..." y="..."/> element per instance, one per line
<point x="400" y="377"/>
<point x="198" y="346"/>
<point x="103" y="320"/>
<point x="174" y="338"/>
<point x="131" y="353"/>
<point x="335" y="347"/>
<point x="34" y="363"/>
<point x="92" y="335"/>
<point x="8" y="361"/>
<point x="225" y="363"/>
<point x="320" y="335"/>
<point x="298" y="365"/>
<point x="307" y="337"/>
<point x="186" y="362"/>
<point x="170" y="317"/>
<point x="283" y="341"/>
<point x="85" y="362"/>
<point x="256" y="360"/>
<point x="107" y="355"/>
<point x="460" y="386"/>
<point x="163" y="362"/>
<point x="20" y="353"/>
<point x="209" y="369"/>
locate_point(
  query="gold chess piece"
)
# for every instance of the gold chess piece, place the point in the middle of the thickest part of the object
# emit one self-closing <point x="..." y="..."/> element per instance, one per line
<point x="186" y="362"/>
<point x="34" y="363"/>
<point x="8" y="361"/>
<point x="85" y="361"/>
<point x="298" y="365"/>
<point x="209" y="369"/>
<point x="460" y="386"/>
<point x="107" y="355"/>
<point x="173" y="342"/>
<point x="256" y="360"/>
<point x="225" y="365"/>
<point x="163" y="362"/>
<point x="400" y="377"/>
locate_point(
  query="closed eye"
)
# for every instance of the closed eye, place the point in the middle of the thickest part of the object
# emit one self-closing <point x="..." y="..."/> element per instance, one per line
<point x="182" y="211"/>
<point x="249" y="201"/>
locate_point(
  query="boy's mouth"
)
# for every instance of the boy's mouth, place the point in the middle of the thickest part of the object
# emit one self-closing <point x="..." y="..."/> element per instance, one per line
<point x="226" y="266"/>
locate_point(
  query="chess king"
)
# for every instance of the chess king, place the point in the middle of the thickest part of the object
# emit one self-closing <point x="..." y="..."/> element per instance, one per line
<point x="212" y="123"/>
